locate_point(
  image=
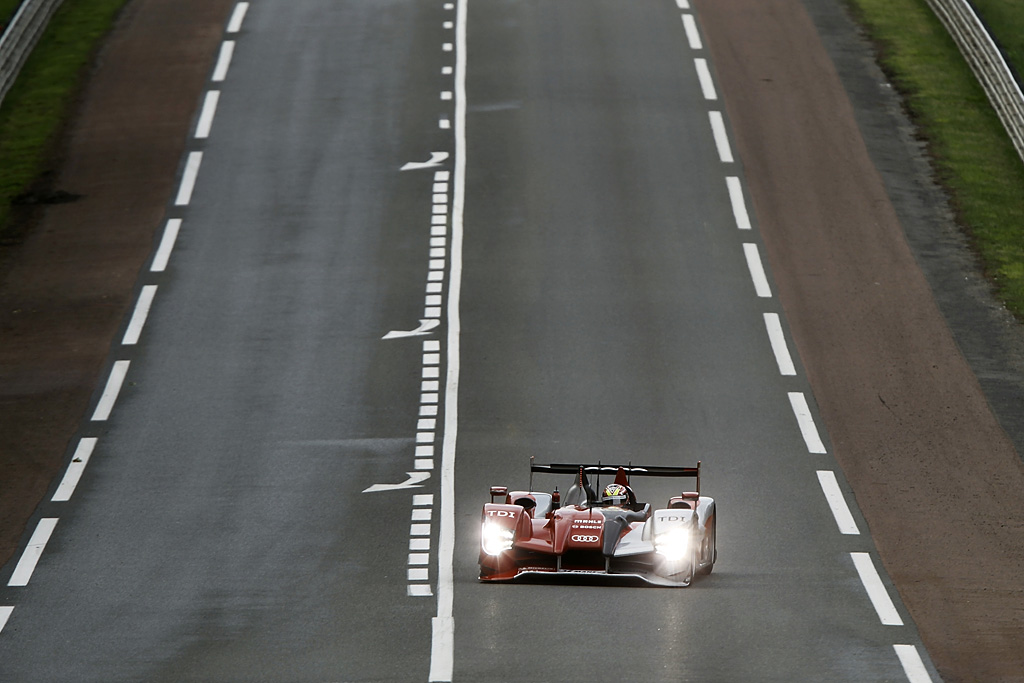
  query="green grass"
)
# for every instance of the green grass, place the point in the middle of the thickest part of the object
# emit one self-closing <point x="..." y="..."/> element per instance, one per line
<point x="7" y="10"/>
<point x="974" y="157"/>
<point x="38" y="106"/>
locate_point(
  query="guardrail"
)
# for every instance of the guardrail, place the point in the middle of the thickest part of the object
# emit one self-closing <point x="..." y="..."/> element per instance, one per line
<point x="987" y="63"/>
<point x="20" y="37"/>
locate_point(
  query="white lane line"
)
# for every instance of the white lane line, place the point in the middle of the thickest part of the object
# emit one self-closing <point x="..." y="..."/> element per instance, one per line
<point x="27" y="564"/>
<point x="876" y="591"/>
<point x="419" y="590"/>
<point x="139" y="315"/>
<point x="707" y="85"/>
<point x="803" y="417"/>
<point x="836" y="501"/>
<point x="778" y="341"/>
<point x="111" y="391"/>
<point x="5" y="614"/>
<point x="442" y="643"/>
<point x="757" y="270"/>
<point x="75" y="469"/>
<point x="188" y="178"/>
<point x="163" y="252"/>
<point x="207" y="114"/>
<point x="683" y="4"/>
<point x="739" y="206"/>
<point x="721" y="137"/>
<point x="235" y="25"/>
<point x="692" y="35"/>
<point x="227" y="50"/>
<point x="913" y="667"/>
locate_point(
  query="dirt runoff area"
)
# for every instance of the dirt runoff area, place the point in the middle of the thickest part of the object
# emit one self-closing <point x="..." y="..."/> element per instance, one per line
<point x="65" y="290"/>
<point x="935" y="475"/>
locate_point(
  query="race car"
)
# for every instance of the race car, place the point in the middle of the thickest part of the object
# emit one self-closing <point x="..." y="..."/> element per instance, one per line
<point x="612" y="535"/>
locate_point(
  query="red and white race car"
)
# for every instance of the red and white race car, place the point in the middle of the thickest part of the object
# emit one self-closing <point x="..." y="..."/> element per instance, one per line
<point x="529" y="532"/>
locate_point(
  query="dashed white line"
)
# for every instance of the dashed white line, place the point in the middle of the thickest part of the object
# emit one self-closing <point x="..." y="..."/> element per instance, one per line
<point x="235" y="24"/>
<point x="163" y="252"/>
<point x="721" y="137"/>
<point x="220" y="72"/>
<point x="139" y="315"/>
<point x="707" y="85"/>
<point x="111" y="391"/>
<point x="207" y="113"/>
<point x="739" y="206"/>
<point x="837" y="503"/>
<point x="913" y="666"/>
<point x="683" y="4"/>
<point x="778" y="341"/>
<point x="79" y="460"/>
<point x="806" y="422"/>
<point x="756" y="270"/>
<point x="876" y="590"/>
<point x="5" y="614"/>
<point x="27" y="564"/>
<point x="188" y="178"/>
<point x="692" y="35"/>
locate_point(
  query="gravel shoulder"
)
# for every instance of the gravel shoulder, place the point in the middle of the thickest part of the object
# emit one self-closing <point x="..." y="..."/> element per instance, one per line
<point x="935" y="474"/>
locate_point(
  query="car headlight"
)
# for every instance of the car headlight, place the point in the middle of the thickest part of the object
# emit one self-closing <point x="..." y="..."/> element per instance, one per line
<point x="673" y="544"/>
<point x="495" y="538"/>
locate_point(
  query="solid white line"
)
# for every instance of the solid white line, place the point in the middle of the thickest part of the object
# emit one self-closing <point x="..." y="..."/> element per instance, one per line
<point x="75" y="469"/>
<point x="207" y="113"/>
<point x="739" y="207"/>
<point x="220" y="72"/>
<point x="913" y="667"/>
<point x="142" y="306"/>
<point x="803" y="417"/>
<point x="5" y="614"/>
<point x="778" y="341"/>
<point x="442" y="645"/>
<point x="235" y="25"/>
<point x="188" y="178"/>
<point x="707" y="86"/>
<point x="756" y="270"/>
<point x="836" y="501"/>
<point x="692" y="35"/>
<point x="876" y="591"/>
<point x="34" y="550"/>
<point x="163" y="252"/>
<point x="110" y="392"/>
<point x="721" y="137"/>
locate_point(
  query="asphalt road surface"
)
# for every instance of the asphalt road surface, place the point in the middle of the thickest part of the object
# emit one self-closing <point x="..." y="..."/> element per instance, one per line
<point x="565" y="271"/>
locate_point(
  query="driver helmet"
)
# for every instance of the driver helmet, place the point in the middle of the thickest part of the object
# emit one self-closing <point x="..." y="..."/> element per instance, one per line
<point x="614" y="495"/>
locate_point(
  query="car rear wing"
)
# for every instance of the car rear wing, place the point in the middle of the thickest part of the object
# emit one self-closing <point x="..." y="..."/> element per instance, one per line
<point x="630" y="470"/>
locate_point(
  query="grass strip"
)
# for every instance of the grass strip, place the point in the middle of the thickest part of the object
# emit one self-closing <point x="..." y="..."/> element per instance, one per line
<point x="7" y="10"/>
<point x="39" y="104"/>
<point x="974" y="158"/>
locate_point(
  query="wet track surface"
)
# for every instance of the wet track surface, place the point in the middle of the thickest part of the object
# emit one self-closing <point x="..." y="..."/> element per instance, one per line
<point x="610" y="308"/>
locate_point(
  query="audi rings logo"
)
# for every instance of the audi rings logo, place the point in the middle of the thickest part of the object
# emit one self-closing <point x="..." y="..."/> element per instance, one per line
<point x="576" y="538"/>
